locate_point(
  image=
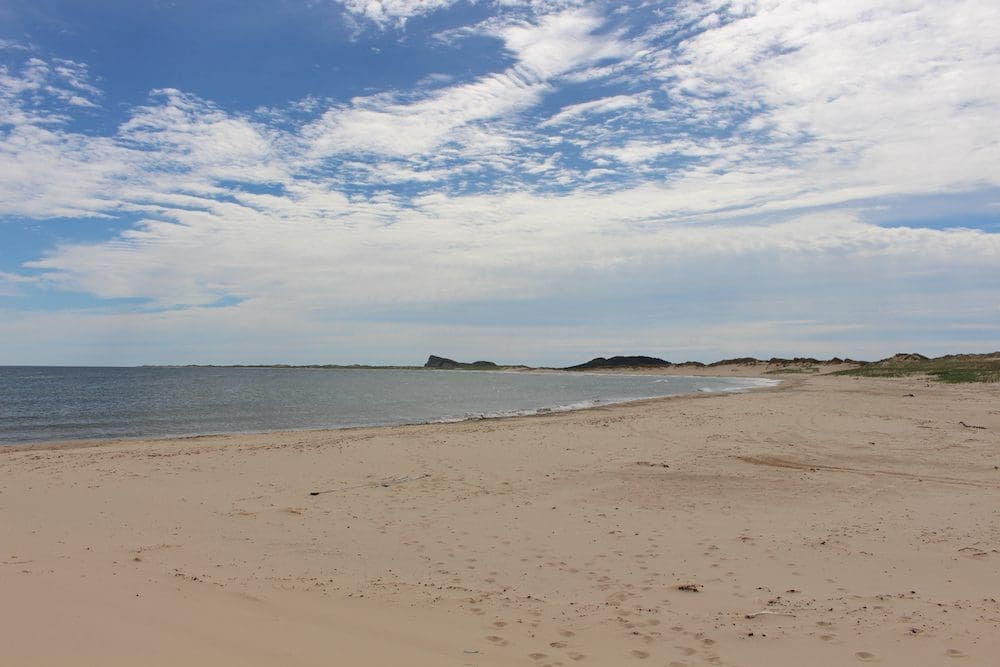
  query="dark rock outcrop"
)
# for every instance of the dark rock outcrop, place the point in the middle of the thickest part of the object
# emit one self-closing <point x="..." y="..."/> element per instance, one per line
<point x="440" y="362"/>
<point x="450" y="364"/>
<point x="621" y="362"/>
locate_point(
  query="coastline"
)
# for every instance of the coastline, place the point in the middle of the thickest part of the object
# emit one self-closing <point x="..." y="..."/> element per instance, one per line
<point x="541" y="412"/>
<point x="743" y="373"/>
<point x="836" y="519"/>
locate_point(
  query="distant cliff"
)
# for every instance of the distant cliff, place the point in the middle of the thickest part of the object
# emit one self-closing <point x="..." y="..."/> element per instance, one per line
<point x="450" y="364"/>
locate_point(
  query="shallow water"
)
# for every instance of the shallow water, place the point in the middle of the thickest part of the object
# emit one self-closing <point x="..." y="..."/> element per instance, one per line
<point x="57" y="403"/>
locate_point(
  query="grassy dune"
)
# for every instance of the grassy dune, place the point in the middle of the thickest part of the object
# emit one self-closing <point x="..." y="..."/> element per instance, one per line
<point x="952" y="368"/>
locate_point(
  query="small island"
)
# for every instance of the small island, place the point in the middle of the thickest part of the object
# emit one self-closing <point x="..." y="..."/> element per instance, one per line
<point x="450" y="364"/>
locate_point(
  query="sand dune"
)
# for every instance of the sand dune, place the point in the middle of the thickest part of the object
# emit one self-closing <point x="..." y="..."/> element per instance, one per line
<point x="830" y="521"/>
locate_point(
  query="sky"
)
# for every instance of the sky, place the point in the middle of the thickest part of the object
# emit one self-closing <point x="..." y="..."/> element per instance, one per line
<point x="537" y="181"/>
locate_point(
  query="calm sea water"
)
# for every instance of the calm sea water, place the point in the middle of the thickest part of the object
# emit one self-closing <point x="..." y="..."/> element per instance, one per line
<point x="47" y="403"/>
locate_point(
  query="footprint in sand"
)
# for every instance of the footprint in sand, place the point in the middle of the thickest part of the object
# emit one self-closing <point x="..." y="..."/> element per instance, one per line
<point x="558" y="644"/>
<point x="954" y="653"/>
<point x="642" y="655"/>
<point x="865" y="656"/>
<point x="576" y="656"/>
<point x="499" y="641"/>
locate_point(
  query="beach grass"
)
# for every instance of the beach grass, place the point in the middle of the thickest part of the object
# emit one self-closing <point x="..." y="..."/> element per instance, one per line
<point x="951" y="369"/>
<point x="793" y="369"/>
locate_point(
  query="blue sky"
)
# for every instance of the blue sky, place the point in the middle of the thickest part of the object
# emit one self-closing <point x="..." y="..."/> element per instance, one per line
<point x="540" y="181"/>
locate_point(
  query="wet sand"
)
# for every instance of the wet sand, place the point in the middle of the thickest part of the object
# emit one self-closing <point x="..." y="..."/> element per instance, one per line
<point x="830" y="521"/>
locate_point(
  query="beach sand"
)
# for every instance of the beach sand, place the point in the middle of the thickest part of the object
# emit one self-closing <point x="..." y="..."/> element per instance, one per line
<point x="830" y="521"/>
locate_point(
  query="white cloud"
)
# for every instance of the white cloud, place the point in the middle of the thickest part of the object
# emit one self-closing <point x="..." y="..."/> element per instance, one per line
<point x="379" y="125"/>
<point x="385" y="11"/>
<point x="606" y="105"/>
<point x="897" y="93"/>
<point x="560" y="43"/>
<point x="51" y="173"/>
<point x="819" y="132"/>
<point x="191" y="134"/>
<point x="11" y="283"/>
<point x="35" y="93"/>
<point x="553" y="46"/>
<point x="306" y="276"/>
<point x="484" y="247"/>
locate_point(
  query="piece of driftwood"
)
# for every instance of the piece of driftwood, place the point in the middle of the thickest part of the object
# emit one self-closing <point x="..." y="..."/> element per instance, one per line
<point x="384" y="483"/>
<point x="765" y="612"/>
<point x="972" y="426"/>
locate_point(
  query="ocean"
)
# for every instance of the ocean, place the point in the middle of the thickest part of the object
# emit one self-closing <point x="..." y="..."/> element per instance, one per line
<point x="39" y="404"/>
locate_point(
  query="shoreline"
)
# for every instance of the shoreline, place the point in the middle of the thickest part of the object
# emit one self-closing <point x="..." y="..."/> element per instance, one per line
<point x="826" y="521"/>
<point x="632" y="372"/>
<point x="540" y="412"/>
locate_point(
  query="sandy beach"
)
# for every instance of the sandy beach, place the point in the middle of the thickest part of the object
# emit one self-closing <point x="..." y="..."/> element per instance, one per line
<point x="829" y="521"/>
